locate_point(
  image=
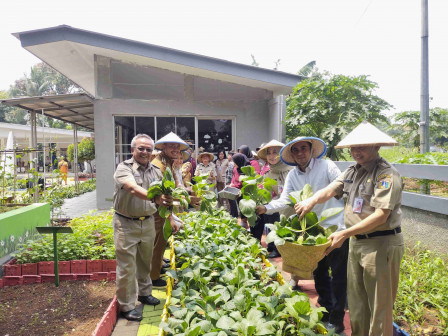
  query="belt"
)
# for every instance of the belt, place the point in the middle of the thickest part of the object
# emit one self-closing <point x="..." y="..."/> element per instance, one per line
<point x="379" y="233"/>
<point x="133" y="218"/>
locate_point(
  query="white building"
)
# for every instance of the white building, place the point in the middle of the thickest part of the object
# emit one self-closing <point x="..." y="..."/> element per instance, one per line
<point x="143" y="88"/>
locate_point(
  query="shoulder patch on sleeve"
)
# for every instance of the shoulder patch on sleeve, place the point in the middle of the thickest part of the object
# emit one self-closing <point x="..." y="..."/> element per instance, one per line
<point x="384" y="177"/>
<point x="384" y="184"/>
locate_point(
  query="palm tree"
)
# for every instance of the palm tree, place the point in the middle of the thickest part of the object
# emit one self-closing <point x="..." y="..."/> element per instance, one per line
<point x="307" y="69"/>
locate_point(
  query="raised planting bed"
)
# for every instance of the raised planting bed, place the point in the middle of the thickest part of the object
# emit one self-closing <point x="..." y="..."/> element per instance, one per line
<point x="19" y="225"/>
<point x="221" y="285"/>
<point x="74" y="308"/>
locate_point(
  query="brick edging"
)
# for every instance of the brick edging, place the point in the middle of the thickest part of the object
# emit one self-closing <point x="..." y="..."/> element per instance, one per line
<point x="41" y="272"/>
<point x="107" y="323"/>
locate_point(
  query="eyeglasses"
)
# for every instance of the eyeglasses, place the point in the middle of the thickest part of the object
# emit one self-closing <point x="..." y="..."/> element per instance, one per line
<point x="143" y="149"/>
<point x="296" y="150"/>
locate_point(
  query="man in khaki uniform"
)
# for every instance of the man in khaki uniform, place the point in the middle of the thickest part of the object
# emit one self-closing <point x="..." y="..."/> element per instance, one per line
<point x="133" y="224"/>
<point x="372" y="192"/>
<point x="170" y="147"/>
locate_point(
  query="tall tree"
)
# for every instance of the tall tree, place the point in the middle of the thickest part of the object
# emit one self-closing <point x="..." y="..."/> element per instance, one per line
<point x="406" y="127"/>
<point x="330" y="106"/>
<point x="42" y="80"/>
<point x="4" y="109"/>
<point x="307" y="69"/>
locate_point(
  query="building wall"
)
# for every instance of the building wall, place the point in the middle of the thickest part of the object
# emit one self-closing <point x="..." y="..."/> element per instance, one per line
<point x="126" y="89"/>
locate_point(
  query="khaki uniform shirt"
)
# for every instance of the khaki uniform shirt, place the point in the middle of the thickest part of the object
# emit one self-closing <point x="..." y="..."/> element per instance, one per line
<point x="201" y="170"/>
<point x="221" y="167"/>
<point x="124" y="202"/>
<point x="378" y="185"/>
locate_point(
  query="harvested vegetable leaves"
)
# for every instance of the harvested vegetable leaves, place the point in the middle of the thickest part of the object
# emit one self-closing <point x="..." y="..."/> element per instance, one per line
<point x="256" y="190"/>
<point x="306" y="231"/>
<point x="167" y="187"/>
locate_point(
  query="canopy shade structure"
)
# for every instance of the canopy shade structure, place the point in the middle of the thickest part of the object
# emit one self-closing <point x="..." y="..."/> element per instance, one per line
<point x="76" y="108"/>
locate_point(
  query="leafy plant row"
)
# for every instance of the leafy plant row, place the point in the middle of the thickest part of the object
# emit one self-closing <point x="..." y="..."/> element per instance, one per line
<point x="423" y="292"/>
<point x="223" y="288"/>
<point x="56" y="194"/>
<point x="92" y="238"/>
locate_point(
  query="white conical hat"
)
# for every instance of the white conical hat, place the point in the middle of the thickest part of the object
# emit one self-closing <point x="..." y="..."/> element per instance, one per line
<point x="263" y="150"/>
<point x="318" y="147"/>
<point x="171" y="138"/>
<point x="365" y="134"/>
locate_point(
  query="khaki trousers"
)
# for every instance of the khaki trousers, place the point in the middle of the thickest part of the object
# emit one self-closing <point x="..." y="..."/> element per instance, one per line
<point x="134" y="241"/>
<point x="159" y="247"/>
<point x="373" y="271"/>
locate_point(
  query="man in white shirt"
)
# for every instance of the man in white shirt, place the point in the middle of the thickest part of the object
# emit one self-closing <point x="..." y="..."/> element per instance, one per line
<point x="305" y="153"/>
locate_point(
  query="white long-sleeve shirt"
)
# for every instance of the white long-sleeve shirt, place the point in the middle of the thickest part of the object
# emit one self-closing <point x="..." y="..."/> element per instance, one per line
<point x="318" y="174"/>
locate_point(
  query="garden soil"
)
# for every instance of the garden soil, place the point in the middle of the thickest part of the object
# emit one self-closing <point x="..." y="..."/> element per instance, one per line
<point x="74" y="308"/>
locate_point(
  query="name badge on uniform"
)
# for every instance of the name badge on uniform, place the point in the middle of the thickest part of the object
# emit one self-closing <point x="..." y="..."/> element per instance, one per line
<point x="357" y="205"/>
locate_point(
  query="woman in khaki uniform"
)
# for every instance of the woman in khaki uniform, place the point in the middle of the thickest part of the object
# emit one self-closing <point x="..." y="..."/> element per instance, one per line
<point x="372" y="191"/>
<point x="206" y="166"/>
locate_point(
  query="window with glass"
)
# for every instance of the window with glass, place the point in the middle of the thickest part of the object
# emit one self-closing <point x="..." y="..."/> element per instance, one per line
<point x="213" y="134"/>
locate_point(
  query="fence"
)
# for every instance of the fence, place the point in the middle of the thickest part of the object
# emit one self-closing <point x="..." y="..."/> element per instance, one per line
<point x="414" y="200"/>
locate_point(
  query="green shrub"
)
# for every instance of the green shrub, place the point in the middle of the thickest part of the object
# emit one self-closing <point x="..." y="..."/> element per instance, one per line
<point x="423" y="290"/>
<point x="92" y="238"/>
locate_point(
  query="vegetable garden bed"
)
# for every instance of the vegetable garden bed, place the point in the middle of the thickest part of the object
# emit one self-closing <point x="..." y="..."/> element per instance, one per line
<point x="221" y="286"/>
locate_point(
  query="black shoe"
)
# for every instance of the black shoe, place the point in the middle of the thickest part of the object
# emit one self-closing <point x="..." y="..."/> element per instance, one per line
<point x="166" y="260"/>
<point x="274" y="254"/>
<point x="162" y="271"/>
<point x="132" y="315"/>
<point x="297" y="288"/>
<point x="149" y="300"/>
<point x="166" y="265"/>
<point x="338" y="327"/>
<point x="159" y="283"/>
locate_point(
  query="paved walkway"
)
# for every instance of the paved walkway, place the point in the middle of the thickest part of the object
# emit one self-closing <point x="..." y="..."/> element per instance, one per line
<point x="80" y="205"/>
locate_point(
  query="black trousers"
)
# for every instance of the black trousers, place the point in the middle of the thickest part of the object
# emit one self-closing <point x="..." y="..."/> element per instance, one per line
<point x="332" y="289"/>
<point x="234" y="207"/>
<point x="257" y="230"/>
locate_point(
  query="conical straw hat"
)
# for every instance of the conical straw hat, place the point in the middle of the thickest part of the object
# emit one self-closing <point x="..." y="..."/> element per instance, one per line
<point x="185" y="156"/>
<point x="171" y="138"/>
<point x="365" y="134"/>
<point x="318" y="147"/>
<point x="262" y="153"/>
<point x="201" y="156"/>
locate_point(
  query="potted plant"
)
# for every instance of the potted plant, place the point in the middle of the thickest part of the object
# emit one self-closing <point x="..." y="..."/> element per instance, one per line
<point x="302" y="243"/>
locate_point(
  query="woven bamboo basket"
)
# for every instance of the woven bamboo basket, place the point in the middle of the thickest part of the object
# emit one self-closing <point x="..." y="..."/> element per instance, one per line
<point x="302" y="260"/>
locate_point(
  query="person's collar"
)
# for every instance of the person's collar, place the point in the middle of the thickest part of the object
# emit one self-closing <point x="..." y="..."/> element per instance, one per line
<point x="137" y="165"/>
<point x="308" y="168"/>
<point x="370" y="166"/>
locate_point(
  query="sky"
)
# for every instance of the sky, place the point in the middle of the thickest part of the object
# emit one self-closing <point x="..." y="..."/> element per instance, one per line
<point x="379" y="38"/>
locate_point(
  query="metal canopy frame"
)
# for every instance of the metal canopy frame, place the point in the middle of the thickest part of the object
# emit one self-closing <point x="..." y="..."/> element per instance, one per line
<point x="75" y="108"/>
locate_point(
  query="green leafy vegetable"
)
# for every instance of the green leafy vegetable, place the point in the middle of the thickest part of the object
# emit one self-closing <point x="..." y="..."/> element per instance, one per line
<point x="306" y="231"/>
<point x="167" y="187"/>
<point x="256" y="190"/>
